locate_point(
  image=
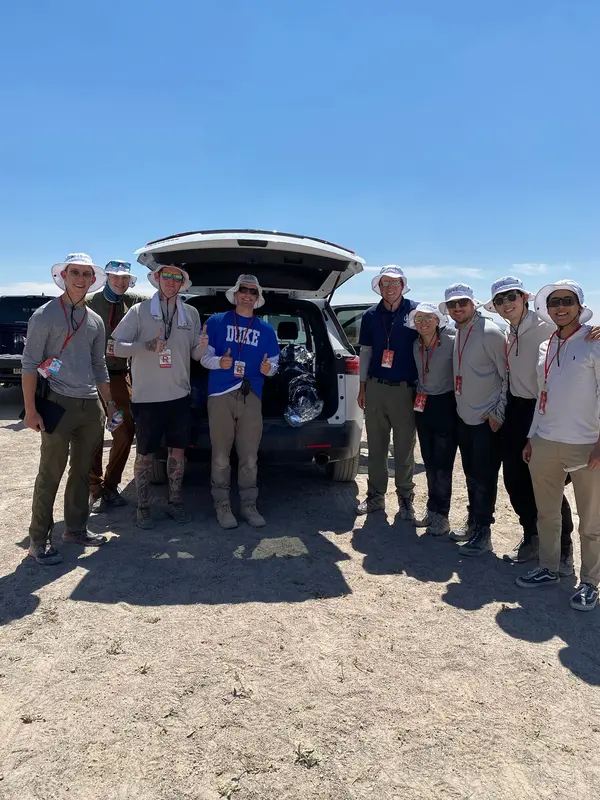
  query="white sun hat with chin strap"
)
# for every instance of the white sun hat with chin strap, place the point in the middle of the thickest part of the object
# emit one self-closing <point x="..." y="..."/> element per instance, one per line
<point x="78" y="260"/>
<point x="390" y="271"/>
<point x="426" y="308"/>
<point x="507" y="284"/>
<point x="544" y="293"/>
<point x="153" y="276"/>
<point x="458" y="291"/>
<point x="121" y="269"/>
<point x="251" y="280"/>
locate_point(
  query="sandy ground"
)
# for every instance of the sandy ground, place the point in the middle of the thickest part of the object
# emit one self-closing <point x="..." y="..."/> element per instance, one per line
<point x="320" y="658"/>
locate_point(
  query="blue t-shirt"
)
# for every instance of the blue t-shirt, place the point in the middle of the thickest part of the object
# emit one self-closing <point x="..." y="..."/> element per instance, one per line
<point x="248" y="338"/>
<point x="377" y="324"/>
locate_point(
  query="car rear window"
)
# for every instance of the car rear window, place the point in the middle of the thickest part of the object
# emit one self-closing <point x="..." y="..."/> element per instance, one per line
<point x="19" y="309"/>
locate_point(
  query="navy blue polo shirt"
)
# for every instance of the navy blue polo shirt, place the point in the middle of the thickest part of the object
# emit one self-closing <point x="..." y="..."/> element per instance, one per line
<point x="377" y="323"/>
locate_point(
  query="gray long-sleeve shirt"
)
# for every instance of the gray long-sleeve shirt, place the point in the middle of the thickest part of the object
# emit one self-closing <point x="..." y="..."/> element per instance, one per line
<point x="483" y="371"/>
<point x="83" y="364"/>
<point x="152" y="383"/>
<point x="438" y="363"/>
<point x="523" y="351"/>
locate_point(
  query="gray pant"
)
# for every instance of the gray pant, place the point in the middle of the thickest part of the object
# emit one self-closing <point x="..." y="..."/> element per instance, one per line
<point x="389" y="409"/>
<point x="235" y="419"/>
<point x="78" y="435"/>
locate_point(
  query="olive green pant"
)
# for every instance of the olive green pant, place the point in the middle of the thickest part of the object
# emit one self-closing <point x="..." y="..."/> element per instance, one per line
<point x="389" y="410"/>
<point x="78" y="435"/>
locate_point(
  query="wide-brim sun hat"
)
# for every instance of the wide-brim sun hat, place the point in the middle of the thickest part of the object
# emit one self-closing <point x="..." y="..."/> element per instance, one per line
<point x="426" y="308"/>
<point x="506" y="284"/>
<point x="251" y="280"/>
<point x="458" y="291"/>
<point x="121" y="269"/>
<point x="544" y="293"/>
<point x="391" y="271"/>
<point x="79" y="260"/>
<point x="153" y="276"/>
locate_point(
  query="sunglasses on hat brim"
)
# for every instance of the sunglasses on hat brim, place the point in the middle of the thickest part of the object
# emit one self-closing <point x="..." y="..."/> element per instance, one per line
<point x="122" y="265"/>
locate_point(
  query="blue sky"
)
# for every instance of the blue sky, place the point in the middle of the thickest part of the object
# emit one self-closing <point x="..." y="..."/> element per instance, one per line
<point x="454" y="138"/>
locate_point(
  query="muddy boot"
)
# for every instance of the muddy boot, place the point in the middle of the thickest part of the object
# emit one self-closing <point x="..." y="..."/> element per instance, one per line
<point x="143" y="519"/>
<point x="250" y="513"/>
<point x="225" y="516"/>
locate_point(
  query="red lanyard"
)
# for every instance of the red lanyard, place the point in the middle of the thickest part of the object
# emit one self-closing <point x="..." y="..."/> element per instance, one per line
<point x="71" y="333"/>
<point x="461" y="350"/>
<point x="548" y="366"/>
<point x="389" y="333"/>
<point x="425" y="366"/>
<point x="241" y="340"/>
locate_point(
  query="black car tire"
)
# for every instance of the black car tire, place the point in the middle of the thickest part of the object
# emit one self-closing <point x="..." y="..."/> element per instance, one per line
<point x="343" y="471"/>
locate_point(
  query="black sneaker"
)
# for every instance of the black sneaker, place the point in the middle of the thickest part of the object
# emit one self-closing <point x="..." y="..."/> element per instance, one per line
<point x="464" y="533"/>
<point x="479" y="543"/>
<point x="370" y="504"/>
<point x="585" y="598"/>
<point x="526" y="550"/>
<point x="538" y="577"/>
<point x="406" y="509"/>
<point x="45" y="555"/>
<point x="567" y="567"/>
<point x="113" y="498"/>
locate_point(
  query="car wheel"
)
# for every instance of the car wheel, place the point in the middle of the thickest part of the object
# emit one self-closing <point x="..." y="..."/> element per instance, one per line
<point x="343" y="471"/>
<point x="159" y="470"/>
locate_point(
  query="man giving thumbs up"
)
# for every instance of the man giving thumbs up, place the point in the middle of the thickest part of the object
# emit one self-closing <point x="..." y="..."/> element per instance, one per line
<point x="236" y="341"/>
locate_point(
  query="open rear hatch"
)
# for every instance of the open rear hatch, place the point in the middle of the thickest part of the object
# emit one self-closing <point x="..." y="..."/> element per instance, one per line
<point x="298" y="267"/>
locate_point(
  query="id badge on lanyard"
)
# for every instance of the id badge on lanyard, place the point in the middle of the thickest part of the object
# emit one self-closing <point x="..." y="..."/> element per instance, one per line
<point x="387" y="360"/>
<point x="110" y="347"/>
<point x="165" y="360"/>
<point x="420" y="401"/>
<point x="239" y="369"/>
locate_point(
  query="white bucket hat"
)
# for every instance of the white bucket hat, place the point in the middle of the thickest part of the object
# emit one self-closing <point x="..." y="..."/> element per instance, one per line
<point x="507" y="284"/>
<point x="392" y="271"/>
<point x="544" y="293"/>
<point x="120" y="269"/>
<point x="81" y="260"/>
<point x="153" y="276"/>
<point x="458" y="291"/>
<point x="252" y="280"/>
<point x="426" y="308"/>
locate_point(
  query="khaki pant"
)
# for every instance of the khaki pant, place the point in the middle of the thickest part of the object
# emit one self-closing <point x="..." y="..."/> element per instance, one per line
<point x="548" y="460"/>
<point x="77" y="435"/>
<point x="389" y="409"/>
<point x="120" y="389"/>
<point x="235" y="419"/>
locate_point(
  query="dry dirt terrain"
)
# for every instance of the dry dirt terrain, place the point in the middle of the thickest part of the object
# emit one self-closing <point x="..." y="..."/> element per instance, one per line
<point x="322" y="658"/>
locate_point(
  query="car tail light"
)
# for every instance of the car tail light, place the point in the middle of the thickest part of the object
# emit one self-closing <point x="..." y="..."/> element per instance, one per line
<point x="352" y="365"/>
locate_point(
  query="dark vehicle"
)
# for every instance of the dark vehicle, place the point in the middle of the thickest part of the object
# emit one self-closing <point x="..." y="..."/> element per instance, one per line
<point x="15" y="311"/>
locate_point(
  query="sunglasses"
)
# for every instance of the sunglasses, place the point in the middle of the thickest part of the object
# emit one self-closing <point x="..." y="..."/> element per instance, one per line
<point x="77" y="274"/>
<point x="248" y="290"/>
<point x="462" y="303"/>
<point x="425" y="318"/>
<point x="170" y="276"/>
<point x="556" y="302"/>
<point x="509" y="297"/>
<point x="119" y="264"/>
<point x="390" y="284"/>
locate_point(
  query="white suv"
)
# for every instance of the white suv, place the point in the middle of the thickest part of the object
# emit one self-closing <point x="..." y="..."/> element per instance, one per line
<point x="299" y="275"/>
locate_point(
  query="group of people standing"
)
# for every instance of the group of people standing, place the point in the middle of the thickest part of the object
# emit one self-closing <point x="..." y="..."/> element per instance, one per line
<point x="95" y="355"/>
<point x="526" y="400"/>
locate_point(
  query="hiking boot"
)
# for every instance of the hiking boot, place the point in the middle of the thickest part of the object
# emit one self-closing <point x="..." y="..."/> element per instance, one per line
<point x="113" y="498"/>
<point x="538" y="577"/>
<point x="526" y="550"/>
<point x="85" y="538"/>
<point x="479" y="543"/>
<point x="406" y="509"/>
<point x="143" y="519"/>
<point x="253" y="518"/>
<point x="464" y="533"/>
<point x="178" y="513"/>
<point x="438" y="525"/>
<point x="585" y="598"/>
<point x="370" y="504"/>
<point x="45" y="554"/>
<point x="567" y="566"/>
<point x="225" y="516"/>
